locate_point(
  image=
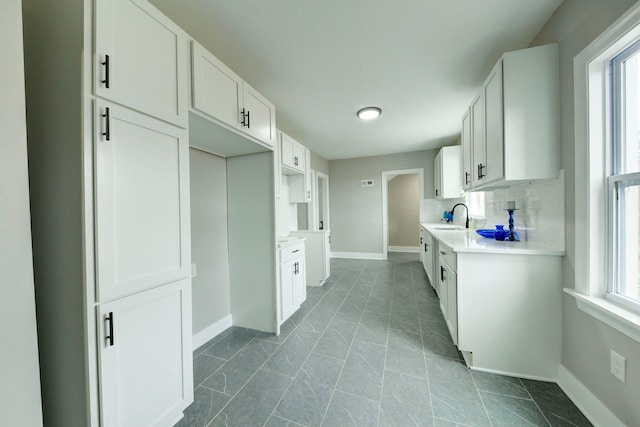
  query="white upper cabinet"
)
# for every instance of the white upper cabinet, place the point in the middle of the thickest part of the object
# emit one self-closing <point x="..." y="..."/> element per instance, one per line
<point x="142" y="202"/>
<point x="447" y="173"/>
<point x="138" y="59"/>
<point x="514" y="122"/>
<point x="217" y="90"/>
<point x="292" y="155"/>
<point x="260" y="115"/>
<point x="221" y="94"/>
<point x="466" y="151"/>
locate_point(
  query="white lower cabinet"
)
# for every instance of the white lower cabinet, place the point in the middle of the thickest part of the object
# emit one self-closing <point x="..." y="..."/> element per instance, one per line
<point x="317" y="255"/>
<point x="293" y="283"/>
<point x="448" y="289"/>
<point x="144" y="350"/>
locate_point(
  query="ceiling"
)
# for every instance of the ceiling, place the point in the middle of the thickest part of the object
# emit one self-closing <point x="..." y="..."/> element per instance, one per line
<point x="421" y="61"/>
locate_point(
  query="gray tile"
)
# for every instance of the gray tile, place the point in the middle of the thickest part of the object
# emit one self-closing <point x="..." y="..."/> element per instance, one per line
<point x="405" y="321"/>
<point x="351" y="310"/>
<point x="236" y="372"/>
<point x="437" y="340"/>
<point x="307" y="399"/>
<point x="203" y="366"/>
<point x="279" y="422"/>
<point x="453" y="393"/>
<point x="291" y="354"/>
<point x="405" y="355"/>
<point x="349" y="410"/>
<point x="507" y="411"/>
<point x="378" y="304"/>
<point x="233" y="342"/>
<point x="373" y="328"/>
<point x="212" y="341"/>
<point x="255" y="402"/>
<point x="501" y="384"/>
<point x="206" y="405"/>
<point x="405" y="401"/>
<point x="444" y="423"/>
<point x="337" y="339"/>
<point x="285" y="330"/>
<point x="362" y="372"/>
<point x="317" y="320"/>
<point x="555" y="405"/>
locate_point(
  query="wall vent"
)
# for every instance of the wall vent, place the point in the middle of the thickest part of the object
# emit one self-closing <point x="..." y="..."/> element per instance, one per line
<point x="366" y="183"/>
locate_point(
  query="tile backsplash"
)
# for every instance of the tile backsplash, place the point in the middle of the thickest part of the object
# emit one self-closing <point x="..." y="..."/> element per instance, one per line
<point x="539" y="216"/>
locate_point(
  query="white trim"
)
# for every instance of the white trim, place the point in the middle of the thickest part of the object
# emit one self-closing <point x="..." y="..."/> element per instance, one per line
<point x="359" y="255"/>
<point x="407" y="249"/>
<point x="619" y="318"/>
<point x="587" y="402"/>
<point x="211" y="331"/>
<point x="385" y="200"/>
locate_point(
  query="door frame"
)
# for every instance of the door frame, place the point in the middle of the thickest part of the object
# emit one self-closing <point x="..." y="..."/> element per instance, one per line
<point x="386" y="177"/>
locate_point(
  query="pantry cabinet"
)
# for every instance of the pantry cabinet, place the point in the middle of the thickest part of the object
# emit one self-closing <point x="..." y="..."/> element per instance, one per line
<point x="114" y="307"/>
<point x="447" y="173"/>
<point x="222" y="95"/>
<point x="514" y="122"/>
<point x="138" y="59"/>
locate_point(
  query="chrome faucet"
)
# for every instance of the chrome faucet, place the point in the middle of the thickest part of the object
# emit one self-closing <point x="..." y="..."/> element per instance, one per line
<point x="466" y="224"/>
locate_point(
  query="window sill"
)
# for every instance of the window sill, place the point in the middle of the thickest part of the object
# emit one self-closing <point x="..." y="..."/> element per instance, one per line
<point x="619" y="318"/>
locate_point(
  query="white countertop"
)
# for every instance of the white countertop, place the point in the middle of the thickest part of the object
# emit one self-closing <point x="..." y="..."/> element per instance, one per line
<point x="462" y="240"/>
<point x="284" y="241"/>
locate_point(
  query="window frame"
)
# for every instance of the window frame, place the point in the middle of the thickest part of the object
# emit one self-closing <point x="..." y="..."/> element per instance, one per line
<point x="589" y="255"/>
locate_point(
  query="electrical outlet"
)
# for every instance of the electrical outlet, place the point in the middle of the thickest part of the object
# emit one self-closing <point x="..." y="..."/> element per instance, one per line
<point x="194" y="271"/>
<point x="618" y="366"/>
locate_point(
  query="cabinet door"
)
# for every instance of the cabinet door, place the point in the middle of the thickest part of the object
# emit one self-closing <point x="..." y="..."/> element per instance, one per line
<point x="452" y="303"/>
<point x="428" y="256"/>
<point x="308" y="174"/>
<point x="286" y="150"/>
<point x="141" y="202"/>
<point x="437" y="175"/>
<point x="139" y="59"/>
<point x="260" y="116"/>
<point x="443" y="284"/>
<point x="300" y="287"/>
<point x="327" y="255"/>
<point x="287" y="293"/>
<point x="217" y="90"/>
<point x="494" y="124"/>
<point x="145" y="361"/>
<point x="477" y="136"/>
<point x="466" y="151"/>
<point x="299" y="157"/>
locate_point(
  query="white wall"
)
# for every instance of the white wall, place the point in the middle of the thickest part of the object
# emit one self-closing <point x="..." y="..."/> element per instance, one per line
<point x="209" y="239"/>
<point x="586" y="341"/>
<point x="356" y="212"/>
<point x="20" y="403"/>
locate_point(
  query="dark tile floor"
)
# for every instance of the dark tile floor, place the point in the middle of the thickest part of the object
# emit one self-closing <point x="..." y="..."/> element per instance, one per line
<point x="369" y="348"/>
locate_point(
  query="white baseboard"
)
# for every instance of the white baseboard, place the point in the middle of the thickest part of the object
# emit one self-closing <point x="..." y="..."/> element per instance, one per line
<point x="200" y="338"/>
<point x="586" y="401"/>
<point x="358" y="255"/>
<point x="407" y="249"/>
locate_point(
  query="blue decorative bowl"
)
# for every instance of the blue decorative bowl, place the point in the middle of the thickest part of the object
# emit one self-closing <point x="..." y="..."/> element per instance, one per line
<point x="489" y="234"/>
<point x="485" y="232"/>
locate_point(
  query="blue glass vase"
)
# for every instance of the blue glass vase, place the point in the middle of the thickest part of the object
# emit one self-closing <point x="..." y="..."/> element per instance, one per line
<point x="500" y="233"/>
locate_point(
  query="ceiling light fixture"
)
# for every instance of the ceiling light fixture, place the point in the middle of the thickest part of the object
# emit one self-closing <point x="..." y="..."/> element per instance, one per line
<point x="369" y="113"/>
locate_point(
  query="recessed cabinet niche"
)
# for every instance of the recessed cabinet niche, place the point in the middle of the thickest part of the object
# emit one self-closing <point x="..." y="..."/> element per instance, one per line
<point x="511" y="131"/>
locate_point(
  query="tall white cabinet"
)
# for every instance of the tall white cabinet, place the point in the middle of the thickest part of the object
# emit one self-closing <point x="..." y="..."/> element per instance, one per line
<point x="109" y="173"/>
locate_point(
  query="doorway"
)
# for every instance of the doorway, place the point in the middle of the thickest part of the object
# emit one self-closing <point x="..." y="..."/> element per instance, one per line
<point x="402" y="211"/>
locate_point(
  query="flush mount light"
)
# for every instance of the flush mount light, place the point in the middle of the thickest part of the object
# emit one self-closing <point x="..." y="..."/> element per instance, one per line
<point x="369" y="113"/>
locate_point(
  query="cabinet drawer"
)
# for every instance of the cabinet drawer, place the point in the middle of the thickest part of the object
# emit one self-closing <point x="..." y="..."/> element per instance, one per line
<point x="448" y="255"/>
<point x="291" y="251"/>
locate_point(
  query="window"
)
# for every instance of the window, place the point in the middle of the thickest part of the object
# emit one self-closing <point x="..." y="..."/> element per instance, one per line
<point x="606" y="248"/>
<point x="623" y="190"/>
